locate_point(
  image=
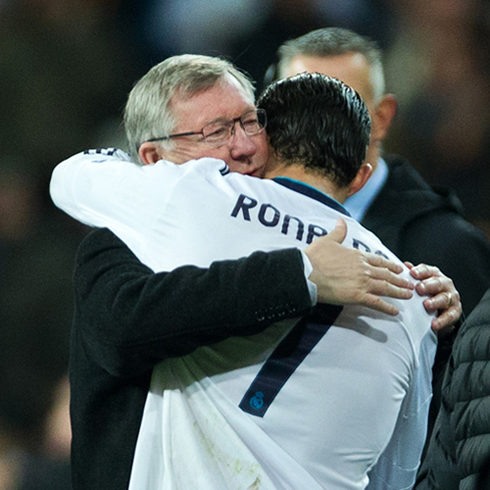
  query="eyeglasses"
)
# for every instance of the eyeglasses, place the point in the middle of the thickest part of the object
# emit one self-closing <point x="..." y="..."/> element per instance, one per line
<point x="218" y="132"/>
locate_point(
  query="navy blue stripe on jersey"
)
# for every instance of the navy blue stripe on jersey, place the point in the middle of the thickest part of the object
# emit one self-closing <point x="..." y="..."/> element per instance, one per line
<point x="225" y="170"/>
<point x="284" y="361"/>
<point x="305" y="189"/>
<point x="101" y="151"/>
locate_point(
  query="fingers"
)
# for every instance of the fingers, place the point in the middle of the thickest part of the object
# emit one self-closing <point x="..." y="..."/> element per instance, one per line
<point x="339" y="233"/>
<point x="376" y="303"/>
<point x="348" y="276"/>
<point x="441" y="291"/>
<point x="449" y="308"/>
<point x="448" y="299"/>
<point x="391" y="288"/>
<point x="385" y="270"/>
<point x="381" y="262"/>
<point x="384" y="280"/>
<point x="385" y="283"/>
<point x="443" y="298"/>
<point x="424" y="271"/>
<point x="444" y="323"/>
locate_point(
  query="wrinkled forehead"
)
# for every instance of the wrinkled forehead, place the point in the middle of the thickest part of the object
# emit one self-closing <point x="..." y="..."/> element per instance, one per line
<point x="188" y="91"/>
<point x="226" y="99"/>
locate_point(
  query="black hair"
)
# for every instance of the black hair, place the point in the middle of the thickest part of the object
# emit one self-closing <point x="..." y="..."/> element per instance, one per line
<point x="319" y="122"/>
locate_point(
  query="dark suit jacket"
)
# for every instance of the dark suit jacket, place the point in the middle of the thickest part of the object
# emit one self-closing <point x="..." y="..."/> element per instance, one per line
<point x="127" y="319"/>
<point x="423" y="224"/>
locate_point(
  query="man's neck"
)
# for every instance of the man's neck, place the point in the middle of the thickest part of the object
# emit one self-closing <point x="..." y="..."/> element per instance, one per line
<point x="313" y="179"/>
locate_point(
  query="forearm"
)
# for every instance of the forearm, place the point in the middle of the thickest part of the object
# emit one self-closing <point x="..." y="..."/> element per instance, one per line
<point x="133" y="318"/>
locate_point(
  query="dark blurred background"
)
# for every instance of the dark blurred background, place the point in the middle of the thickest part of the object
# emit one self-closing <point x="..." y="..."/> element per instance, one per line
<point x="65" y="71"/>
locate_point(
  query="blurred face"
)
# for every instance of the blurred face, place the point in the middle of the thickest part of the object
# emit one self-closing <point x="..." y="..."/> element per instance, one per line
<point x="227" y="100"/>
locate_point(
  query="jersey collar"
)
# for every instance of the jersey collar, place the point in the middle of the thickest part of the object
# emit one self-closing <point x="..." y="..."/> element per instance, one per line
<point x="311" y="192"/>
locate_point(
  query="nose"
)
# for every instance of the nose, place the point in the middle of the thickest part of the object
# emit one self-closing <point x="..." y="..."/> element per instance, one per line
<point x="242" y="145"/>
<point x="248" y="154"/>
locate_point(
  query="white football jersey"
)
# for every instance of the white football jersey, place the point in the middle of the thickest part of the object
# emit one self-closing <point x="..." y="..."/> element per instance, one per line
<point x="327" y="402"/>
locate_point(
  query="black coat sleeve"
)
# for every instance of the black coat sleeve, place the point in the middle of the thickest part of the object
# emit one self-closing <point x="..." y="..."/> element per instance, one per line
<point x="130" y="318"/>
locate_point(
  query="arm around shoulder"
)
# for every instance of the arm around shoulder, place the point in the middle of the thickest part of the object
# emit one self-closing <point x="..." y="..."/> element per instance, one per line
<point x="130" y="318"/>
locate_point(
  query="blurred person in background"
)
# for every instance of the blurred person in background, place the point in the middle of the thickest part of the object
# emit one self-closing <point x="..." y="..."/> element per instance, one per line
<point x="417" y="222"/>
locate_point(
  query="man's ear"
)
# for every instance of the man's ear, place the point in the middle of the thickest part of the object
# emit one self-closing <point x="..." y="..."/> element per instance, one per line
<point x="383" y="117"/>
<point x="360" y="179"/>
<point x="150" y="153"/>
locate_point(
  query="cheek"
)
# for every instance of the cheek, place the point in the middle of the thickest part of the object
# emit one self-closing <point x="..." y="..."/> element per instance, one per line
<point x="262" y="153"/>
<point x="185" y="153"/>
<point x="221" y="153"/>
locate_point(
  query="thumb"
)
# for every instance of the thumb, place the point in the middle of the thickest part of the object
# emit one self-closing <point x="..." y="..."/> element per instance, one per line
<point x="339" y="232"/>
